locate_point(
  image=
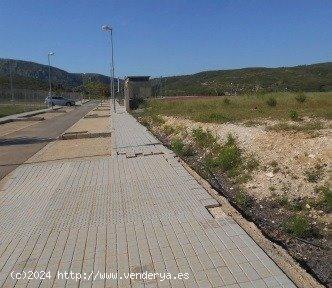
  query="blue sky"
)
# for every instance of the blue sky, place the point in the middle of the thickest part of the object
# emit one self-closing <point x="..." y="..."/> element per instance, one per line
<point x="171" y="37"/>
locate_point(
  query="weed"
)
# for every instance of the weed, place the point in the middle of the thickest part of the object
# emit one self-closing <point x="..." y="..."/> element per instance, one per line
<point x="298" y="226"/>
<point x="227" y="101"/>
<point x="168" y="129"/>
<point x="325" y="193"/>
<point x="282" y="200"/>
<point x="274" y="163"/>
<point x="229" y="157"/>
<point x="297" y="204"/>
<point x="275" y="166"/>
<point x="242" y="199"/>
<point x="294" y="115"/>
<point x="252" y="163"/>
<point x="300" y="97"/>
<point x="272" y="102"/>
<point x="180" y="148"/>
<point x="314" y="174"/>
<point x="217" y="118"/>
<point x="307" y="127"/>
<point x="272" y="188"/>
<point x="157" y="119"/>
<point x="204" y="139"/>
<point x="145" y="121"/>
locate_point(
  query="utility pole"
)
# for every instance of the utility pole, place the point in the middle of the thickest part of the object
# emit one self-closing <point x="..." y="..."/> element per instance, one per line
<point x="49" y="76"/>
<point x="109" y="29"/>
<point x="11" y="81"/>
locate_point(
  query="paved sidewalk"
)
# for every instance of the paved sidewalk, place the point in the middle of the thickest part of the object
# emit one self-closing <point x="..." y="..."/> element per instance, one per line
<point x="136" y="210"/>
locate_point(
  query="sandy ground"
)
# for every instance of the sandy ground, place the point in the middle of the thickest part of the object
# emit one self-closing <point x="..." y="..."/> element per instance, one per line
<point x="76" y="148"/>
<point x="294" y="154"/>
<point x="92" y="125"/>
<point x="11" y="127"/>
<point x="99" y="112"/>
<point x="69" y="149"/>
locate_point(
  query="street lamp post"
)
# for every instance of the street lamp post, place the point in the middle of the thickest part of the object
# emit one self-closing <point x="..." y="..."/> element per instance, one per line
<point x="49" y="76"/>
<point x="109" y="29"/>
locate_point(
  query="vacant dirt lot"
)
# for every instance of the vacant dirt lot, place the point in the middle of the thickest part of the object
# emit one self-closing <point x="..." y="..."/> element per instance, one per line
<point x="285" y="157"/>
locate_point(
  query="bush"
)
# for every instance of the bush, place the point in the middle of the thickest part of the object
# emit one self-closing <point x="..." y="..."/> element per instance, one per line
<point x="180" y="148"/>
<point x="272" y="102"/>
<point x="294" y="115"/>
<point x="242" y="199"/>
<point x="298" y="226"/>
<point x="300" y="97"/>
<point x="229" y="157"/>
<point x="204" y="139"/>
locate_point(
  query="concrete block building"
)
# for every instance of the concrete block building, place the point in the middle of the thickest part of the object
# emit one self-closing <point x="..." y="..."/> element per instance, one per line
<point x="136" y="89"/>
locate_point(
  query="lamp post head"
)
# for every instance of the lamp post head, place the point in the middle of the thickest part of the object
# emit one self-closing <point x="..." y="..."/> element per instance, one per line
<point x="106" y="28"/>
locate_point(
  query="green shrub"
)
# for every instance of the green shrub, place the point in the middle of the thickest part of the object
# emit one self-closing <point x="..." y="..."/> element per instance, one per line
<point x="168" y="130"/>
<point x="301" y="97"/>
<point x="231" y="140"/>
<point x="298" y="226"/>
<point x="294" y="115"/>
<point x="204" y="139"/>
<point x="242" y="199"/>
<point x="229" y="157"/>
<point x="180" y="148"/>
<point x="272" y="102"/>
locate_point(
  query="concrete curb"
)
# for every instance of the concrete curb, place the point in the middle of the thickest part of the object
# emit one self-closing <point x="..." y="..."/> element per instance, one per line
<point x="279" y="255"/>
<point x="84" y="135"/>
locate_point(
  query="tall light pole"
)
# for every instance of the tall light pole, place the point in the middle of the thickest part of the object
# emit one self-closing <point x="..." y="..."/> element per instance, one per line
<point x="49" y="76"/>
<point x="11" y="81"/>
<point x="109" y="29"/>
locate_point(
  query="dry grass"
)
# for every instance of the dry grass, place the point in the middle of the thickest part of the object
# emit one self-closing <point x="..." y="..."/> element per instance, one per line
<point x="245" y="107"/>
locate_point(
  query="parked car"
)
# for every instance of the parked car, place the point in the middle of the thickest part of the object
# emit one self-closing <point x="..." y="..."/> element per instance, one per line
<point x="59" y="100"/>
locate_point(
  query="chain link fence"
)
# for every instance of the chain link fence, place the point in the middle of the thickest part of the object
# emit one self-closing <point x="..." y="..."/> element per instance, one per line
<point x="30" y="99"/>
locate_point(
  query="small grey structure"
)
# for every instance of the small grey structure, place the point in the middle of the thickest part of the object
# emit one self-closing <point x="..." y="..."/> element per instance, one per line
<point x="136" y="88"/>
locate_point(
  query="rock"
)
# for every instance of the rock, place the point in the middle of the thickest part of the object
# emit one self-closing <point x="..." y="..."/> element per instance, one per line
<point x="312" y="156"/>
<point x="307" y="206"/>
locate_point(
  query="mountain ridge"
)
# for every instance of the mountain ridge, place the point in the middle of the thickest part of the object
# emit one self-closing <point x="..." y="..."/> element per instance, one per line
<point x="33" y="75"/>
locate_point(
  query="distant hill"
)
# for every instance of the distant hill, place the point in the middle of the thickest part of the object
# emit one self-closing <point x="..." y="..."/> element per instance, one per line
<point x="315" y="77"/>
<point x="31" y="75"/>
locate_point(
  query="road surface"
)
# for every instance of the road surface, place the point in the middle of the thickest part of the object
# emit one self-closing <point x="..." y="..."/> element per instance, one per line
<point x="17" y="147"/>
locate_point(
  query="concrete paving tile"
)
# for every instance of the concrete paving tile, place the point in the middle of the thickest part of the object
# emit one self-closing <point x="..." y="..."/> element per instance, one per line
<point x="135" y="210"/>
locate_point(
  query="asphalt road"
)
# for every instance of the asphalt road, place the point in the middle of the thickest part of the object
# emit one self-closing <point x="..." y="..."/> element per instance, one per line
<point x="17" y="147"/>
